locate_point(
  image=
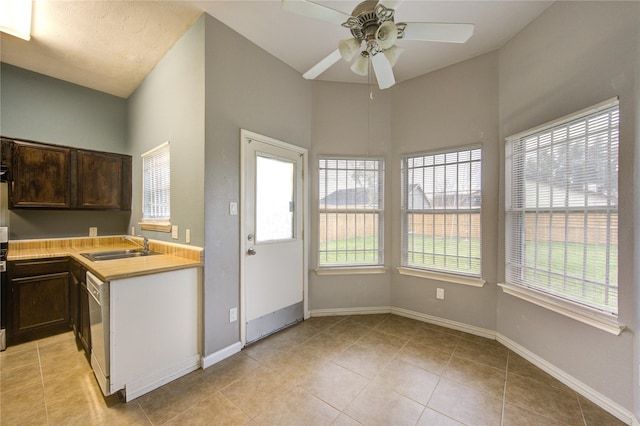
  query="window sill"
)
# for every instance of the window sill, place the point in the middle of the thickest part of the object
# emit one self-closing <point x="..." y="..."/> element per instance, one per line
<point x="584" y="314"/>
<point x="355" y="270"/>
<point x="440" y="276"/>
<point x="150" y="226"/>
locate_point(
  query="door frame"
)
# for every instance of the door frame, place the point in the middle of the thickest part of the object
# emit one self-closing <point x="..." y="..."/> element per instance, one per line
<point x="245" y="137"/>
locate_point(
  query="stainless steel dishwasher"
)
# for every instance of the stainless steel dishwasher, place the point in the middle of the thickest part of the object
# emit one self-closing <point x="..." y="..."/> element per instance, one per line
<point x="99" y="316"/>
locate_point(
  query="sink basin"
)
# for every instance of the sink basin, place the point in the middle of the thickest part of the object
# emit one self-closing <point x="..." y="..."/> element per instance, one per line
<point x="117" y="254"/>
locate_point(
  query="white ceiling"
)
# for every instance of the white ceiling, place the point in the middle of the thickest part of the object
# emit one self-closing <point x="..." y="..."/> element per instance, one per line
<point x="111" y="46"/>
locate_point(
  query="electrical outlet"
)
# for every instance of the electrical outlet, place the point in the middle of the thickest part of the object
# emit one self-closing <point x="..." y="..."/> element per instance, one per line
<point x="187" y="236"/>
<point x="440" y="293"/>
<point x="174" y="232"/>
<point x="93" y="231"/>
<point x="233" y="314"/>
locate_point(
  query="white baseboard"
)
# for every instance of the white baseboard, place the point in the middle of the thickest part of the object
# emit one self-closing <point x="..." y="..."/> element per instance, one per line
<point x="471" y="329"/>
<point x="220" y="355"/>
<point x="588" y="392"/>
<point x="147" y="384"/>
<point x="350" y="311"/>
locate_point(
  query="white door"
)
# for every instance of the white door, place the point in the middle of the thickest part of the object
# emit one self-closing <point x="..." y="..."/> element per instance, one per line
<point x="272" y="247"/>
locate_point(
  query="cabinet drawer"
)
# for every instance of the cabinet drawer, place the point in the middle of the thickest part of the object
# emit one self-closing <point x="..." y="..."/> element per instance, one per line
<point x="27" y="268"/>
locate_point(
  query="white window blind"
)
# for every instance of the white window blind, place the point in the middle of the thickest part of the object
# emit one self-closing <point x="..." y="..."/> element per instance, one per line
<point x="561" y="188"/>
<point x="156" y="183"/>
<point x="350" y="212"/>
<point x="441" y="204"/>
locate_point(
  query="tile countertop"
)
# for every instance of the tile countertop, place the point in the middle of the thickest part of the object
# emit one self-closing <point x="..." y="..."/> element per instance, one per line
<point x="172" y="256"/>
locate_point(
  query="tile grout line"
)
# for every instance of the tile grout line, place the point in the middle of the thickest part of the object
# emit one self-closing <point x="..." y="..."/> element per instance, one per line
<point x="584" y="420"/>
<point x="369" y="381"/>
<point x="440" y="377"/>
<point x="144" y="412"/>
<point x="44" y="393"/>
<point x="504" y="391"/>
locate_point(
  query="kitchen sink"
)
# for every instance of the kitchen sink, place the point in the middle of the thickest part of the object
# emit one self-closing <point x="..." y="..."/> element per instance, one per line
<point x="117" y="254"/>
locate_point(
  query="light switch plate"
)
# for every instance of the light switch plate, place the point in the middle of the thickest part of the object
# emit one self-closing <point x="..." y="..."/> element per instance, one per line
<point x="233" y="314"/>
<point x="233" y="209"/>
<point x="440" y="293"/>
<point x="174" y="232"/>
<point x="93" y="231"/>
<point x="187" y="236"/>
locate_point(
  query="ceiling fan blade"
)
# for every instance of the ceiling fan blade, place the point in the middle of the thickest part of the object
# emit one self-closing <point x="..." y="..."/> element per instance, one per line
<point x="322" y="66"/>
<point x="392" y="4"/>
<point x="436" y="31"/>
<point x="314" y="10"/>
<point x="384" y="73"/>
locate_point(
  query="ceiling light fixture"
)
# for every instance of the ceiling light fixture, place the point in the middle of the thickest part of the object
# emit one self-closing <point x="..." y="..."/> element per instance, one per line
<point x="361" y="65"/>
<point x="375" y="32"/>
<point x="348" y="48"/>
<point x="15" y="18"/>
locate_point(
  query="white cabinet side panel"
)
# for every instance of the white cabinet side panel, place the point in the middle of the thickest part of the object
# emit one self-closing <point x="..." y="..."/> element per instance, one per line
<point x="154" y="325"/>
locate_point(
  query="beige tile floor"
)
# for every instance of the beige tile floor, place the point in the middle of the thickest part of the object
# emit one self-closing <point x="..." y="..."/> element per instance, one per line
<point x="369" y="369"/>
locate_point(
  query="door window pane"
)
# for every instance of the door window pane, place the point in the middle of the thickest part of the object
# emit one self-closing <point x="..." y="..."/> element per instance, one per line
<point x="274" y="199"/>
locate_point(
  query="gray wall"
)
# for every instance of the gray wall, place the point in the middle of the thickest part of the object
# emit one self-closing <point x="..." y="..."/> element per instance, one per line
<point x="455" y="106"/>
<point x="347" y="122"/>
<point x="246" y="88"/>
<point x="574" y="55"/>
<point x="636" y="205"/>
<point x="44" y="109"/>
<point x="169" y="106"/>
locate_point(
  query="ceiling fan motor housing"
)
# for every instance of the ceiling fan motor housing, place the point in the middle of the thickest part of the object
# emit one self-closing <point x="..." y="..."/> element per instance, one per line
<point x="365" y="21"/>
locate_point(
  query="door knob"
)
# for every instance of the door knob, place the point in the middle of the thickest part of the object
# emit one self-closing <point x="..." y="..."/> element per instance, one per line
<point x="251" y="252"/>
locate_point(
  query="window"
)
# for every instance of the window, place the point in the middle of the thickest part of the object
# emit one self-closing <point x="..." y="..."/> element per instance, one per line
<point x="275" y="195"/>
<point x="156" y="188"/>
<point x="441" y="202"/>
<point x="350" y="212"/>
<point x="561" y="193"/>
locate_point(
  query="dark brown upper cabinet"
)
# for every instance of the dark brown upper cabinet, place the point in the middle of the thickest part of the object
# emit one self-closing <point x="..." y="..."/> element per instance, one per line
<point x="58" y="177"/>
<point x="104" y="181"/>
<point x="41" y="176"/>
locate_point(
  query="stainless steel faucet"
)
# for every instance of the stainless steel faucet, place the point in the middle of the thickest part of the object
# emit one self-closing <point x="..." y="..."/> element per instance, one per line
<point x="144" y="245"/>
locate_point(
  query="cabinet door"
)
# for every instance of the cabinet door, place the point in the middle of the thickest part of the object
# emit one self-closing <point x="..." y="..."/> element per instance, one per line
<point x="74" y="292"/>
<point x="103" y="180"/>
<point x="84" y="333"/>
<point x="40" y="304"/>
<point x="41" y="176"/>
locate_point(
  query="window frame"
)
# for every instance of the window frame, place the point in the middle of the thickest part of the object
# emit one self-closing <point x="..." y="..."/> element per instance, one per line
<point x="353" y="268"/>
<point x="161" y="223"/>
<point x="565" y="305"/>
<point x="441" y="274"/>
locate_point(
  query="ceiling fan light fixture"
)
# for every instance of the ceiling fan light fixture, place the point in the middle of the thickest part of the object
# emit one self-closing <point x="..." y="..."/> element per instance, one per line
<point x="361" y="65"/>
<point x="387" y="34"/>
<point x="15" y="18"/>
<point x="349" y="48"/>
<point x="393" y="54"/>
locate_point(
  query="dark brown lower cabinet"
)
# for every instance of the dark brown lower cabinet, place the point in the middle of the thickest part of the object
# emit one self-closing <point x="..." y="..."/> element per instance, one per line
<point x="38" y="300"/>
<point x="80" y="320"/>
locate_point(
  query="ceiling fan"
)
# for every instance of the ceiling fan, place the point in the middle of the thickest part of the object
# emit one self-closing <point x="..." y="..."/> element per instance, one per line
<point x="374" y="36"/>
